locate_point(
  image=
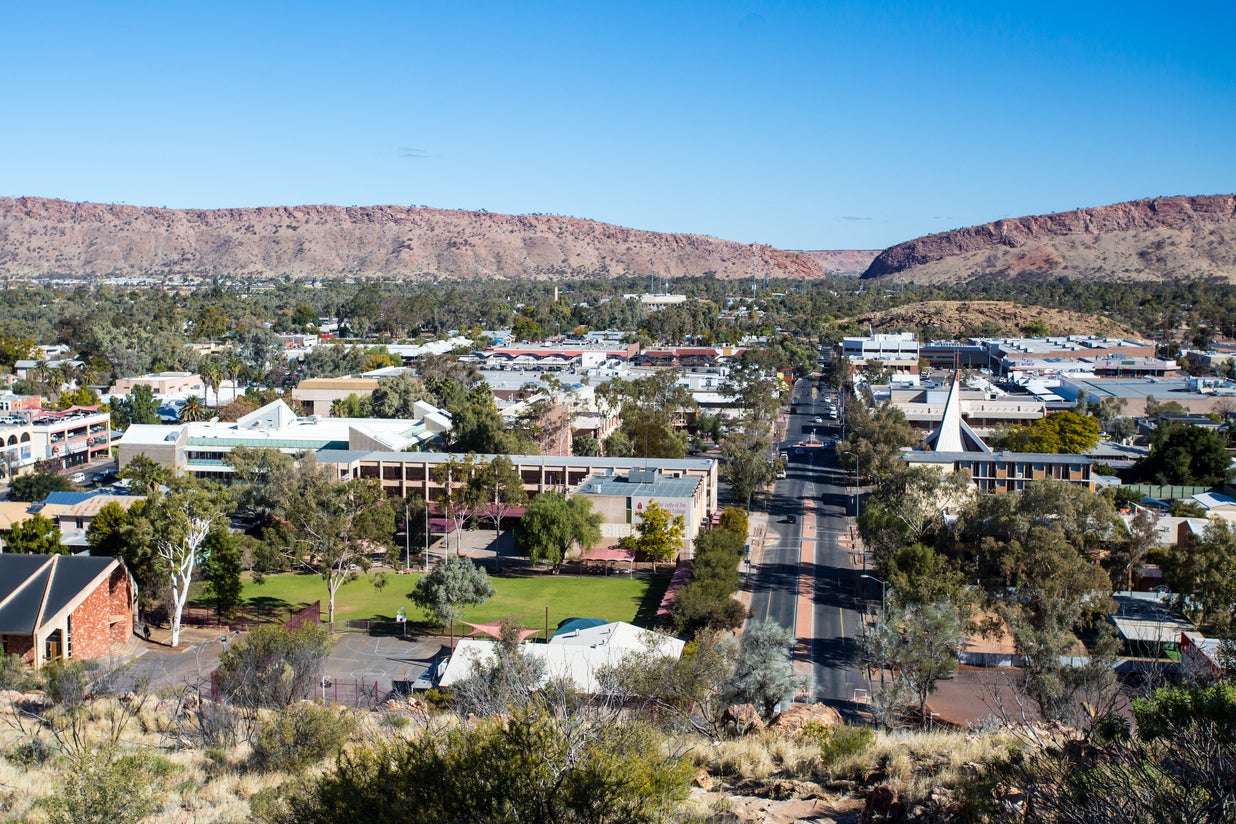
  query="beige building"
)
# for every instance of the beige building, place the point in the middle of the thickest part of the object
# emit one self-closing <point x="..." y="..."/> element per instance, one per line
<point x="316" y="395"/>
<point x="163" y="383"/>
<point x="622" y="500"/>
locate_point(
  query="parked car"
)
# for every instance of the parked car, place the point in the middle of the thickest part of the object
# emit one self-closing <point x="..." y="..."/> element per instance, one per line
<point x="817" y="419"/>
<point x="77" y="478"/>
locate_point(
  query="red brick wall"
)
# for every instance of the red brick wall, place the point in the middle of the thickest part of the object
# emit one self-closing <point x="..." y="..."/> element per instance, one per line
<point x="93" y="635"/>
<point x="22" y="645"/>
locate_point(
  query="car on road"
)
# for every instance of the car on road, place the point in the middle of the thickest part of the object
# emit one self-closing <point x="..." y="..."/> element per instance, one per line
<point x="77" y="478"/>
<point x="791" y="519"/>
<point x="817" y="419"/>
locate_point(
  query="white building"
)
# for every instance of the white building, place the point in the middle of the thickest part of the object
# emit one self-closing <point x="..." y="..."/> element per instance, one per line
<point x="200" y="447"/>
<point x="578" y="655"/>
<point x="898" y="351"/>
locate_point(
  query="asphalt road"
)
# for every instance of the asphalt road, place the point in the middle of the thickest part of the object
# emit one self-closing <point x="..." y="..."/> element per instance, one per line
<point x="812" y="547"/>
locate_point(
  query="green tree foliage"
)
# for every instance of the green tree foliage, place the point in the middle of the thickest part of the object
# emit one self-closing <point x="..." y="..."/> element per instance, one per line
<point x="510" y="680"/>
<point x="455" y="583"/>
<point x="658" y="535"/>
<point x="650" y="407"/>
<point x="908" y="506"/>
<point x="705" y="602"/>
<point x="34" y="536"/>
<point x="585" y="446"/>
<point x="299" y="735"/>
<point x="1064" y="432"/>
<point x="918" y="575"/>
<point x="193" y="409"/>
<point x="763" y="671"/>
<point x="1203" y="574"/>
<point x="746" y="465"/>
<point x="36" y="486"/>
<point x="396" y="397"/>
<point x="554" y="525"/>
<point x="500" y="489"/>
<point x="734" y="520"/>
<point x="334" y="360"/>
<point x="920" y="643"/>
<point x="1181" y="765"/>
<point x="272" y="667"/>
<point x="224" y="562"/>
<point x="81" y="396"/>
<point x="145" y="475"/>
<point x="108" y="787"/>
<point x="1184" y="454"/>
<point x="529" y="767"/>
<point x="139" y="406"/>
<point x="259" y="472"/>
<point x="130" y="535"/>
<point x="13" y="349"/>
<point x="330" y="528"/>
<point x="877" y="437"/>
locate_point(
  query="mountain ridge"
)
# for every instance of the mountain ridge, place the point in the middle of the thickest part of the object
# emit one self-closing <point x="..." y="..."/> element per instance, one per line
<point x="1148" y="239"/>
<point x="44" y="236"/>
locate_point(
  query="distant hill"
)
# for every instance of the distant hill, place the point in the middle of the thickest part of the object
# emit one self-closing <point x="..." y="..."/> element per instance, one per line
<point x="1154" y="239"/>
<point x="41" y="237"/>
<point x="961" y="318"/>
<point x="844" y="261"/>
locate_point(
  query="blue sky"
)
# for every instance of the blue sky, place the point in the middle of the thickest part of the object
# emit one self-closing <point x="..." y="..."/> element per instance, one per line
<point x="825" y="125"/>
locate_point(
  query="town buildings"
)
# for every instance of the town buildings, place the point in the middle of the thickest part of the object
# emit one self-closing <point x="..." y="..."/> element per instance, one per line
<point x="61" y="439"/>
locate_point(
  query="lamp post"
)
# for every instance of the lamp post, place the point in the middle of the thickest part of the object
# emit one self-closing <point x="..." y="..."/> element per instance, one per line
<point x="857" y="485"/>
<point x="883" y="591"/>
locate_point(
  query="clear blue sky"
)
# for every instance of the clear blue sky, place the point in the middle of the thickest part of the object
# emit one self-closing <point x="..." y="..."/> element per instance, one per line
<point x="820" y="125"/>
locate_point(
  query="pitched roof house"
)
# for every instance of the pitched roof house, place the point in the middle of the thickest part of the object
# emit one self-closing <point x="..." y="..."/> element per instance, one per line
<point x="56" y="607"/>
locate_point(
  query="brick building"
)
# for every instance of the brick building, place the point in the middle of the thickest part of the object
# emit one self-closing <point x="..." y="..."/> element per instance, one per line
<point x="55" y="607"/>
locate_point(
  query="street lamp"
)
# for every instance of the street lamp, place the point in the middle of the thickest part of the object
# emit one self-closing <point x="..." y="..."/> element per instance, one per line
<point x="858" y="479"/>
<point x="883" y="591"/>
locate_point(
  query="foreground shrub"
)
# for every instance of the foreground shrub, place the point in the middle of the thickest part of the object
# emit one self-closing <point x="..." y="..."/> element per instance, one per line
<point x="300" y="735"/>
<point x="528" y="767"/>
<point x="838" y="743"/>
<point x="108" y="788"/>
<point x="271" y="667"/>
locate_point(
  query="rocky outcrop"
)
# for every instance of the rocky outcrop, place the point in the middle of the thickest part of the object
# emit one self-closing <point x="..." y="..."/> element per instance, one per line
<point x="845" y="262"/>
<point x="1154" y="239"/>
<point x="40" y="237"/>
<point x="796" y="716"/>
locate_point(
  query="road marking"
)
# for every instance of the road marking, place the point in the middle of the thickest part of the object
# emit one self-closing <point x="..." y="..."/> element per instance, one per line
<point x="841" y="620"/>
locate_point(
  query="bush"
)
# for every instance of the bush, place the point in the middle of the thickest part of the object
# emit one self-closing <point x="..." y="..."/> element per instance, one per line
<point x="106" y="788"/>
<point x="299" y="736"/>
<point x="272" y="667"/>
<point x="838" y="743"/>
<point x="32" y="753"/>
<point x="14" y="675"/>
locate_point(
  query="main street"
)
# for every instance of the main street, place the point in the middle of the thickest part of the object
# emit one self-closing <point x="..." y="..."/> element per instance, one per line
<point x="808" y="580"/>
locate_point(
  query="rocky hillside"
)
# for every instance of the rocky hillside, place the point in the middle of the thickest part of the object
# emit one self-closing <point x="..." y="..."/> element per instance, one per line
<point x="844" y="261"/>
<point x="962" y="318"/>
<point x="44" y="237"/>
<point x="1154" y="239"/>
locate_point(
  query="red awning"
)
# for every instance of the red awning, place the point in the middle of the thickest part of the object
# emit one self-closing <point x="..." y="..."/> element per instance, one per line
<point x="602" y="553"/>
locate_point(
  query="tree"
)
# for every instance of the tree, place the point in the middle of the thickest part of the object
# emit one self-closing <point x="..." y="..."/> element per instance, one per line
<point x="36" y="486"/>
<point x="34" y="536"/>
<point x="456" y="582"/>
<point x="108" y="787"/>
<point x="461" y="495"/>
<point x="183" y="518"/>
<point x="507" y="682"/>
<point x="618" y="445"/>
<point x="554" y="525"/>
<point x="877" y="437"/>
<point x="259" y="473"/>
<point x="145" y="475"/>
<point x="746" y="466"/>
<point x="692" y="690"/>
<point x="918" y="575"/>
<point x="528" y="766"/>
<point x="106" y="532"/>
<point x="909" y="504"/>
<point x="272" y="667"/>
<point x="921" y="643"/>
<point x="659" y="535"/>
<point x="139" y="406"/>
<point x="192" y="409"/>
<point x="1203" y="574"/>
<point x="763" y="671"/>
<point x="224" y="563"/>
<point x="1065" y="432"/>
<point x="501" y="489"/>
<point x="211" y="373"/>
<point x="585" y="446"/>
<point x="1184" y="454"/>
<point x="397" y="397"/>
<point x="330" y="528"/>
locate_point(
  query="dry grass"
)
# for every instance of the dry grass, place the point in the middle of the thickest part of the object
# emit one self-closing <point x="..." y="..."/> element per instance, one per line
<point x="911" y="762"/>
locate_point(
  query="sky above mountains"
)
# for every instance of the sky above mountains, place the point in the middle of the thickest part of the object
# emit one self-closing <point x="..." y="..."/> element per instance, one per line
<point x="815" y="125"/>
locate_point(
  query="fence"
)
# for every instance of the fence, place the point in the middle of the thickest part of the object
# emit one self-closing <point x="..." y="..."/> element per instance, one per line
<point x="1167" y="492"/>
<point x="311" y="614"/>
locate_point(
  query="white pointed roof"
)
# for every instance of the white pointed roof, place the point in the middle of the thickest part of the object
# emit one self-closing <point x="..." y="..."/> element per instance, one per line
<point x="274" y="415"/>
<point x="954" y="434"/>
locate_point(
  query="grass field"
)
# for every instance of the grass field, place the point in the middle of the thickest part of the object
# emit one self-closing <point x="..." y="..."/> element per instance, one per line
<point x="614" y="598"/>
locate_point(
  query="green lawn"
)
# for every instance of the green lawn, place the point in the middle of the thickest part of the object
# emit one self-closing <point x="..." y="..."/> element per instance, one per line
<point x="614" y="598"/>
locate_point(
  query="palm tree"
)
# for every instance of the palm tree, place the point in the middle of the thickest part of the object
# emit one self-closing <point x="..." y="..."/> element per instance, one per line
<point x="234" y="366"/>
<point x="212" y="375"/>
<point x="192" y="410"/>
